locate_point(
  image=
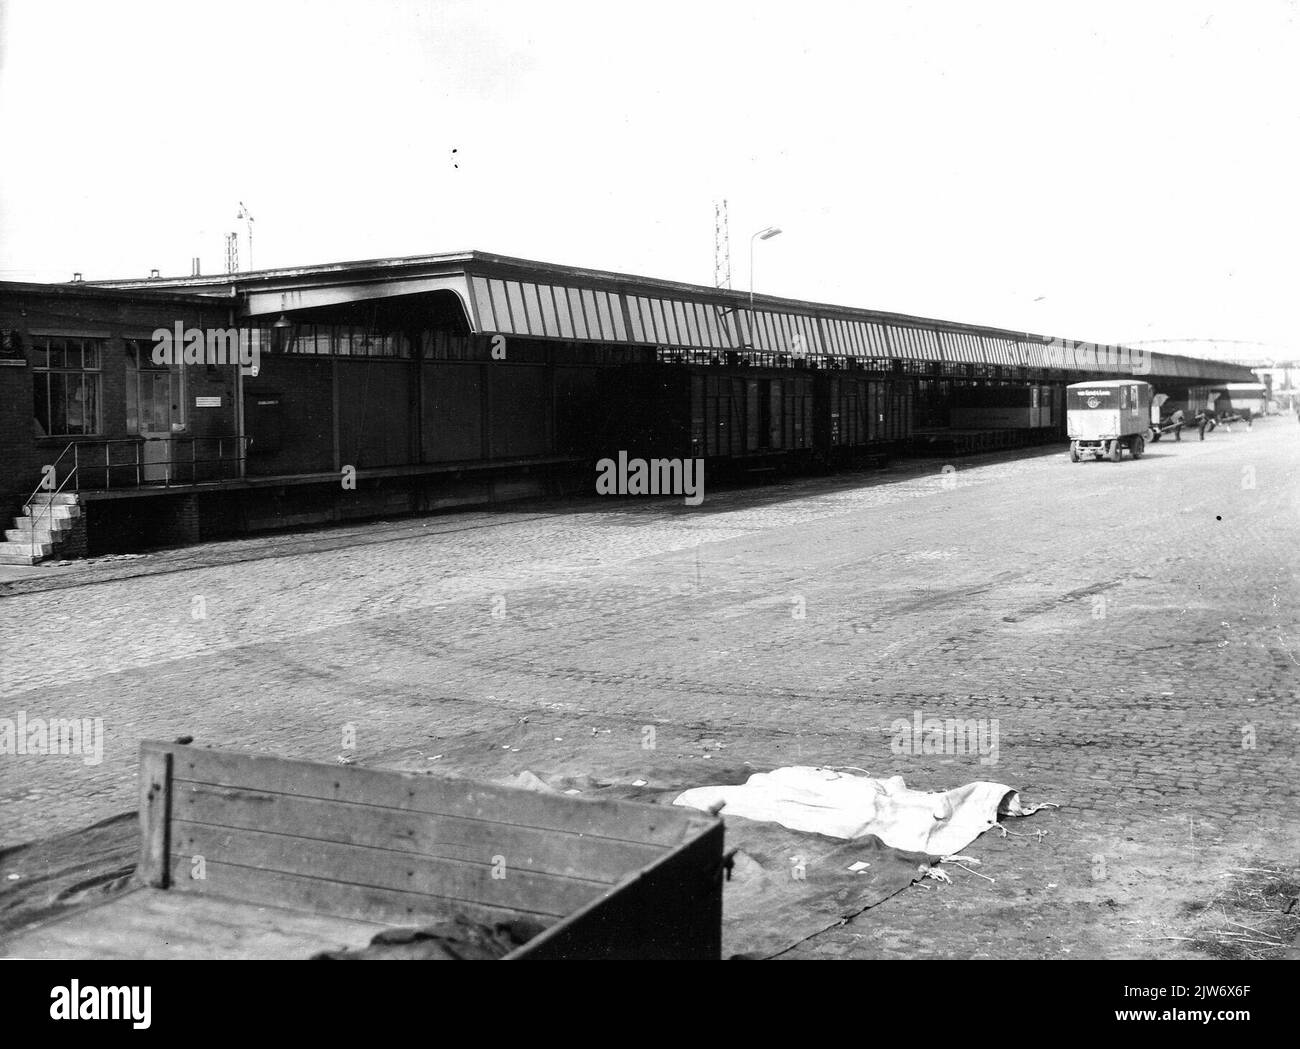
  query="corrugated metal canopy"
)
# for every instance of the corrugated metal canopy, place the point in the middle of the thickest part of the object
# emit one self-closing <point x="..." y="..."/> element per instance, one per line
<point x="961" y="346"/>
<point x="544" y="300"/>
<point x="558" y="311"/>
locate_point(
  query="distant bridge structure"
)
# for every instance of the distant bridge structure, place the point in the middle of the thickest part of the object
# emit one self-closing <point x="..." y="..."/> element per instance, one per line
<point x="1251" y="353"/>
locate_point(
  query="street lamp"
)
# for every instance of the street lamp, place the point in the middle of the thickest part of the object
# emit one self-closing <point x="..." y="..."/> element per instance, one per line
<point x="763" y="234"/>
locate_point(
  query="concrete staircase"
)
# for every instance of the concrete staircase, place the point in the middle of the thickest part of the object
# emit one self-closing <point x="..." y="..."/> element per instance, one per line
<point x="37" y="533"/>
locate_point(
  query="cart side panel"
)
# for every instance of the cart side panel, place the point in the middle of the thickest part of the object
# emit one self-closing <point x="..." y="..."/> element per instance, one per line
<point x="394" y="847"/>
<point x="671" y="911"/>
<point x="445" y="795"/>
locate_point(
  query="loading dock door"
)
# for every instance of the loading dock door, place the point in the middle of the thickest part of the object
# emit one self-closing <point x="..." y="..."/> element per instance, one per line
<point x="263" y="423"/>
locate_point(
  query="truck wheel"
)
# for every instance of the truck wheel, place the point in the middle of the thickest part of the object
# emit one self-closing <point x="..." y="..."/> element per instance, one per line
<point x="1139" y="446"/>
<point x="1116" y="451"/>
<point x="1074" y="452"/>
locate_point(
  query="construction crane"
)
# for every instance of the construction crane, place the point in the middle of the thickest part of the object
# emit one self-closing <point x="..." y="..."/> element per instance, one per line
<point x="247" y="216"/>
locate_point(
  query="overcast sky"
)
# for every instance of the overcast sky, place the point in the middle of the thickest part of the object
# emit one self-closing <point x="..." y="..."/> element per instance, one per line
<point x="1109" y="171"/>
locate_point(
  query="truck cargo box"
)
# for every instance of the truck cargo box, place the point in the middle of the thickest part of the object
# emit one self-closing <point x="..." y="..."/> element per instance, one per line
<point x="1105" y="417"/>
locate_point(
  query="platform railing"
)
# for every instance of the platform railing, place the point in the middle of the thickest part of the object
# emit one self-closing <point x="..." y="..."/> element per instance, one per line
<point x="223" y="453"/>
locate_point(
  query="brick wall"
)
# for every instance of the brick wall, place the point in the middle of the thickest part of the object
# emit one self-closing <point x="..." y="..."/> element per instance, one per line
<point x="115" y="317"/>
<point x="74" y="543"/>
<point x="177" y="520"/>
<point x="20" y="460"/>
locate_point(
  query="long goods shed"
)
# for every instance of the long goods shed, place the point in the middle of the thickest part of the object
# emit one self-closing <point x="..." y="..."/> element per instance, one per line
<point x="516" y="297"/>
<point x="413" y="384"/>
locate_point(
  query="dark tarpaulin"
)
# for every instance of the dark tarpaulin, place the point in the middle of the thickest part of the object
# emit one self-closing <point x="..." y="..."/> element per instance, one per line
<point x="786" y="886"/>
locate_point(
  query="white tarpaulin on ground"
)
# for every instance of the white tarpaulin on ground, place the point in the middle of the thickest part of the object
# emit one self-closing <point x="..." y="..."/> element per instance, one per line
<point x="843" y="805"/>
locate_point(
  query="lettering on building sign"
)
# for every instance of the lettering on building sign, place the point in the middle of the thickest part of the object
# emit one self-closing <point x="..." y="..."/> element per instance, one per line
<point x="207" y="402"/>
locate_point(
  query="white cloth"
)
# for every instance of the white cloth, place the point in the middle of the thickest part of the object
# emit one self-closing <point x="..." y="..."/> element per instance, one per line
<point x="841" y="805"/>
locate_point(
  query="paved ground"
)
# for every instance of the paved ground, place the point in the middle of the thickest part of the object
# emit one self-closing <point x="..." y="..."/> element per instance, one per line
<point x="1134" y="629"/>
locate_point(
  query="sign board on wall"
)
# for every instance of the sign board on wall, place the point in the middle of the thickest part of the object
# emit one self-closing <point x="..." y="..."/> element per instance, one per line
<point x="207" y="402"/>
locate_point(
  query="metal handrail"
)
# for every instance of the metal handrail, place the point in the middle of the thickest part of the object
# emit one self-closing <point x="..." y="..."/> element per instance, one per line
<point x="69" y="447"/>
<point x="238" y="444"/>
<point x="239" y="441"/>
<point x="49" y="505"/>
<point x="39" y="514"/>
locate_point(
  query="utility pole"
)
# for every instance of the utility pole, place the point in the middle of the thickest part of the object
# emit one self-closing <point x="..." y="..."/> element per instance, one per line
<point x="721" y="246"/>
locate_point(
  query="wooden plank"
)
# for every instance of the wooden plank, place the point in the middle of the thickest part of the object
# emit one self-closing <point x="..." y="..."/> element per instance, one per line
<point x="155" y="815"/>
<point x="619" y="820"/>
<point x="319" y="895"/>
<point x="479" y="880"/>
<point x="594" y="859"/>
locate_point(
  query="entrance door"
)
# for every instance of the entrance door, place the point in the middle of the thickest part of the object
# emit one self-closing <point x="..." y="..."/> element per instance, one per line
<point x="155" y="408"/>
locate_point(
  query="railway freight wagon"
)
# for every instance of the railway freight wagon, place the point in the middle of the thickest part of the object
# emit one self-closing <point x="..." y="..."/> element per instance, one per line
<point x="860" y="416"/>
<point x="1003" y="408"/>
<point x="789" y="418"/>
<point x="687" y="411"/>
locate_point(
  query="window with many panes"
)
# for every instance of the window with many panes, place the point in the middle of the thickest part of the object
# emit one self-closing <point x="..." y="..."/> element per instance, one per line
<point x="66" y="385"/>
<point x="342" y="340"/>
<point x="155" y="393"/>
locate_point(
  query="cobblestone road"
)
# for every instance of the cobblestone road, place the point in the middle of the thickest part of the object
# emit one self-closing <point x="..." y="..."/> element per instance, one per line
<point x="1134" y="629"/>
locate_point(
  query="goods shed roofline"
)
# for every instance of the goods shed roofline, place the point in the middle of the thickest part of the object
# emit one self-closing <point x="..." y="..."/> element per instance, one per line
<point x="524" y="297"/>
<point x="84" y="290"/>
<point x="486" y="264"/>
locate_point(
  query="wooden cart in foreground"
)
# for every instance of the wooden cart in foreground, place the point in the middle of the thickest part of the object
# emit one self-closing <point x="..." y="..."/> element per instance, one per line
<point x="249" y="856"/>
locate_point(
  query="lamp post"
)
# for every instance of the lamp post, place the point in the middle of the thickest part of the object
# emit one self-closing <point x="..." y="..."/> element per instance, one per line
<point x="763" y="234"/>
<point x="766" y="233"/>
